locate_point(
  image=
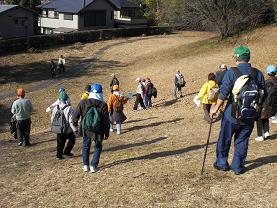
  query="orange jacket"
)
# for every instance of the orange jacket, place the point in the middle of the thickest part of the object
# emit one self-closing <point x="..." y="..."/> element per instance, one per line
<point x="113" y="98"/>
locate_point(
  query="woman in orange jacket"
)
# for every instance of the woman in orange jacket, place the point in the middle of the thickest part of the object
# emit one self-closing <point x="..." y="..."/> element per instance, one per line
<point x="115" y="108"/>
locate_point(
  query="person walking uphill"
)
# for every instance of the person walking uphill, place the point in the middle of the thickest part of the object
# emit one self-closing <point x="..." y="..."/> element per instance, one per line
<point x="209" y="95"/>
<point x="115" y="108"/>
<point x="113" y="82"/>
<point x="22" y="108"/>
<point x="139" y="95"/>
<point x="94" y="125"/>
<point x="240" y="112"/>
<point x="269" y="106"/>
<point x="62" y="125"/>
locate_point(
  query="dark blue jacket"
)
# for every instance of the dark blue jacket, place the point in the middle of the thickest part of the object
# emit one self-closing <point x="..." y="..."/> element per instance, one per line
<point x="228" y="84"/>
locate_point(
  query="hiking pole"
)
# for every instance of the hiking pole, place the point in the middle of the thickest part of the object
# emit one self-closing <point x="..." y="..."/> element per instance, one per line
<point x="208" y="141"/>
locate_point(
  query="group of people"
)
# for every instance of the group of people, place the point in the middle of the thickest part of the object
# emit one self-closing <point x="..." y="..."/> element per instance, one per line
<point x="57" y="69"/>
<point x="98" y="119"/>
<point x="249" y="97"/>
<point x="144" y="93"/>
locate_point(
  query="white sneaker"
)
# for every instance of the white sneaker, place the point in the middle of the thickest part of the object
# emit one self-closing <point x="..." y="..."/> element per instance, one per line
<point x="93" y="170"/>
<point x="266" y="135"/>
<point x="118" y="132"/>
<point x="111" y="130"/>
<point x="259" y="139"/>
<point x="86" y="168"/>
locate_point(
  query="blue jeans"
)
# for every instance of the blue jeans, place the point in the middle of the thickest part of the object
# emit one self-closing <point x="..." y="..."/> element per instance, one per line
<point x="175" y="90"/>
<point x="241" y="138"/>
<point x="96" y="153"/>
<point x="148" y="102"/>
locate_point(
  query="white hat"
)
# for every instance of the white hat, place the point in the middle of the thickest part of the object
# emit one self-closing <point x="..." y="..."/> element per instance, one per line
<point x="138" y="79"/>
<point x="223" y="66"/>
<point x="112" y="75"/>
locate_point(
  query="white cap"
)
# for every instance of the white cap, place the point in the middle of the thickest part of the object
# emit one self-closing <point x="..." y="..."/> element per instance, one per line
<point x="223" y="66"/>
<point x="138" y="79"/>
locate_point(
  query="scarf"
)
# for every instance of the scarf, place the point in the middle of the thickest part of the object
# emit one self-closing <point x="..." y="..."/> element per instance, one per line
<point x="96" y="96"/>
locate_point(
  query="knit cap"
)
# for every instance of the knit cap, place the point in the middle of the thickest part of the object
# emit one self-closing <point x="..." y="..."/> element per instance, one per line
<point x="20" y="92"/>
<point x="97" y="88"/>
<point x="63" y="96"/>
<point x="242" y="53"/>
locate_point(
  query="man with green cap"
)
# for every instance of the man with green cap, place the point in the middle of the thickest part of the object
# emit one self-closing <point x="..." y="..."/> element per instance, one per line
<point x="67" y="111"/>
<point x="231" y="125"/>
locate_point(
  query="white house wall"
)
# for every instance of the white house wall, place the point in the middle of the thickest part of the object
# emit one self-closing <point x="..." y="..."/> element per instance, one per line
<point x="56" y="23"/>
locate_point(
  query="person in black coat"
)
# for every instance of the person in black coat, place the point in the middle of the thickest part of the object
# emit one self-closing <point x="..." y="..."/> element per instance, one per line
<point x="113" y="82"/>
<point x="95" y="100"/>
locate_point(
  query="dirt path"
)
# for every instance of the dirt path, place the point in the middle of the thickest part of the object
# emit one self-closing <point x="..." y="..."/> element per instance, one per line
<point x="75" y="69"/>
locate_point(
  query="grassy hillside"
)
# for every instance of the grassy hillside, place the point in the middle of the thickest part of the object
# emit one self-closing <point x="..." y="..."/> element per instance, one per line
<point x="156" y="162"/>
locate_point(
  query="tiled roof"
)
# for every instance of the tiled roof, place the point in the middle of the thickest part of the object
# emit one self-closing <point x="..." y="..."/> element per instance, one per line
<point x="5" y="7"/>
<point x="75" y="6"/>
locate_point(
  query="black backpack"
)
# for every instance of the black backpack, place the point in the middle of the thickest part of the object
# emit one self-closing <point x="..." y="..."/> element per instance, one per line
<point x="246" y="105"/>
<point x="272" y="95"/>
<point x="59" y="123"/>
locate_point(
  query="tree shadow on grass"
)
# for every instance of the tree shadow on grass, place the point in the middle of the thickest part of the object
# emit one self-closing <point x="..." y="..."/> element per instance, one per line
<point x="261" y="161"/>
<point x="272" y="137"/>
<point x="127" y="146"/>
<point x="4" y="118"/>
<point x="40" y="70"/>
<point x="152" y="124"/>
<point x="156" y="155"/>
<point x="138" y="120"/>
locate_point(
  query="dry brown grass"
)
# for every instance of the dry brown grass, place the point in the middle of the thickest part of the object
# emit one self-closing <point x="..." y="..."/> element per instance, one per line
<point x="156" y="162"/>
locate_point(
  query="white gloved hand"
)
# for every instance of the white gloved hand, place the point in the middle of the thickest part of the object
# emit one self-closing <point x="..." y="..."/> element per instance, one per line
<point x="48" y="109"/>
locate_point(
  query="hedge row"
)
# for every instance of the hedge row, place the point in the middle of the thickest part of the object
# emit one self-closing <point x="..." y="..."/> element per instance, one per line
<point x="46" y="41"/>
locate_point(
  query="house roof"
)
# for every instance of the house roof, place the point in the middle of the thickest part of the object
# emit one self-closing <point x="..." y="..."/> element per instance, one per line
<point x="72" y="6"/>
<point x="124" y="4"/>
<point x="75" y="6"/>
<point x="5" y="7"/>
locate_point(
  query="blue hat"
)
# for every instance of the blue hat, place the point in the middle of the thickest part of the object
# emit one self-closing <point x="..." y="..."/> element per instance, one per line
<point x="96" y="88"/>
<point x="61" y="89"/>
<point x="271" y="69"/>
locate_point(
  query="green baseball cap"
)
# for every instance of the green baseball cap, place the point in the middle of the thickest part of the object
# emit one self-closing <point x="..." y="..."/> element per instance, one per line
<point x="63" y="96"/>
<point x="242" y="53"/>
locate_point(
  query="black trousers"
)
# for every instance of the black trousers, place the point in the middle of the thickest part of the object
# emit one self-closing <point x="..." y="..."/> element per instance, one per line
<point x="207" y="108"/>
<point x="61" y="140"/>
<point x="262" y="126"/>
<point x="61" y="68"/>
<point x="139" y="100"/>
<point x="23" y="130"/>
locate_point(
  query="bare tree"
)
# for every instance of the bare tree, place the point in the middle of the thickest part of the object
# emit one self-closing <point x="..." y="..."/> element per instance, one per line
<point x="227" y="17"/>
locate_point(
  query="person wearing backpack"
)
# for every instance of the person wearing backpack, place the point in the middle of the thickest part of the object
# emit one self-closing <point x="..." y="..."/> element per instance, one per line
<point x="115" y="108"/>
<point x="22" y="109"/>
<point x="242" y="86"/>
<point x="52" y="68"/>
<point x="269" y="106"/>
<point x="94" y="125"/>
<point x="113" y="82"/>
<point x="50" y="108"/>
<point x="62" y="125"/>
<point x="179" y="82"/>
<point x="219" y="75"/>
<point x="86" y="93"/>
<point x="209" y="95"/>
<point x="139" y="94"/>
